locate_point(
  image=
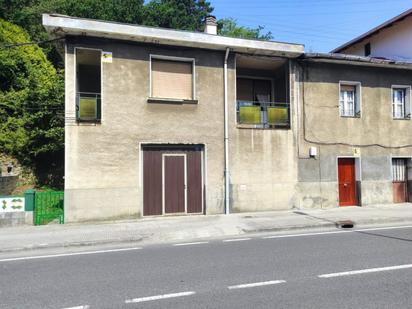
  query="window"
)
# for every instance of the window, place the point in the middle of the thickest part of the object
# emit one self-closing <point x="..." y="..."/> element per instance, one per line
<point x="172" y="79"/>
<point x="88" y="85"/>
<point x="255" y="104"/>
<point x="400" y="102"/>
<point x="367" y="49"/>
<point x="349" y="101"/>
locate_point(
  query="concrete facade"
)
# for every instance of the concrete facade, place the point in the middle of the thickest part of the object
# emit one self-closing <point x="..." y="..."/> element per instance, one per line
<point x="375" y="134"/>
<point x="270" y="167"/>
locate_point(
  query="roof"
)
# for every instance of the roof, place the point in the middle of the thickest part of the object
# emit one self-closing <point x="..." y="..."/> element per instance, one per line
<point x="61" y="25"/>
<point x="356" y="60"/>
<point x="375" y="30"/>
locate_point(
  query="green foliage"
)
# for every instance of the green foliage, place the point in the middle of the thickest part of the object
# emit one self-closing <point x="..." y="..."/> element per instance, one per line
<point x="177" y="14"/>
<point x="229" y="27"/>
<point x="31" y="95"/>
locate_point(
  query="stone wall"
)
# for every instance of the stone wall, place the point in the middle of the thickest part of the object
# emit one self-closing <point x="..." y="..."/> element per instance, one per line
<point x="8" y="184"/>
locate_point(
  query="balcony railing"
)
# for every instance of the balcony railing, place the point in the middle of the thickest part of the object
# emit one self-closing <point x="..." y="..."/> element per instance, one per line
<point x="88" y="106"/>
<point x="263" y="114"/>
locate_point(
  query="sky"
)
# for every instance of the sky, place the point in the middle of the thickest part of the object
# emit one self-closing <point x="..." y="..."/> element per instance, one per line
<point x="321" y="25"/>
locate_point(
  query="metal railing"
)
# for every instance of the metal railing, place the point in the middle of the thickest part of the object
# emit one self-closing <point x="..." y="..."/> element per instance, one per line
<point x="263" y="114"/>
<point x="88" y="106"/>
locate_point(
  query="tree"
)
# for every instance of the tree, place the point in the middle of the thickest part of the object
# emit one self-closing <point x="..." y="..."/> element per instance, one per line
<point x="177" y="14"/>
<point x="229" y="27"/>
<point x="31" y="98"/>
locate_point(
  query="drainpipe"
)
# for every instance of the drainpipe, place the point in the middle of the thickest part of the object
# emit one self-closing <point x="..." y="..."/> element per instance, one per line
<point x="226" y="138"/>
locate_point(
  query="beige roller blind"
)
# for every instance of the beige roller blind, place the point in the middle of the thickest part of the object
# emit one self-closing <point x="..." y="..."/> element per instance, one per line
<point x="172" y="79"/>
<point x="348" y="88"/>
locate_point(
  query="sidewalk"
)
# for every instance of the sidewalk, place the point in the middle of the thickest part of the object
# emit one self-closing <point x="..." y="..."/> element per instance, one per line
<point x="183" y="229"/>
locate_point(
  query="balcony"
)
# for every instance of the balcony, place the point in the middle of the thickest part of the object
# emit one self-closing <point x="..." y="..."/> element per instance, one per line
<point x="88" y="107"/>
<point x="263" y="114"/>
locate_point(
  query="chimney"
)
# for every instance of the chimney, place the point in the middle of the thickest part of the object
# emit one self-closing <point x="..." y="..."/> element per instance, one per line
<point x="211" y="25"/>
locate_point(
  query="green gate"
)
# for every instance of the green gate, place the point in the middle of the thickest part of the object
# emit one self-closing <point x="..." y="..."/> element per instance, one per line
<point x="48" y="206"/>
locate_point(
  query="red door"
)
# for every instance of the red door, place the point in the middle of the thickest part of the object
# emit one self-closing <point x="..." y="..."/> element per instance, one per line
<point x="400" y="185"/>
<point x="347" y="182"/>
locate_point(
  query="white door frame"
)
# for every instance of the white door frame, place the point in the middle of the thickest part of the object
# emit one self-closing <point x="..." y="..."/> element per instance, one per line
<point x="163" y="180"/>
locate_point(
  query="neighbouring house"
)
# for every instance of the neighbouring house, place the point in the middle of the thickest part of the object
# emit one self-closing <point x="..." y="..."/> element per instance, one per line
<point x="165" y="122"/>
<point x="390" y="40"/>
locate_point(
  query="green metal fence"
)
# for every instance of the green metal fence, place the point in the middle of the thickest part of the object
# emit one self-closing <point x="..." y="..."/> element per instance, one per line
<point x="49" y="206"/>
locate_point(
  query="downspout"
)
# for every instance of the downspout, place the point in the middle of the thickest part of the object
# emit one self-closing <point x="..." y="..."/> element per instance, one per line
<point x="226" y="138"/>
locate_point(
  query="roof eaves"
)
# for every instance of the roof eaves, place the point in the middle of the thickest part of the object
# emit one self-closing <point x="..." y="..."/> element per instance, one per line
<point x="67" y="25"/>
<point x="356" y="60"/>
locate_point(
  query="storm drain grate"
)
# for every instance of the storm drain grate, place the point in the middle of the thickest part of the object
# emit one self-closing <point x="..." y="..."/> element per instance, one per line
<point x="346" y="224"/>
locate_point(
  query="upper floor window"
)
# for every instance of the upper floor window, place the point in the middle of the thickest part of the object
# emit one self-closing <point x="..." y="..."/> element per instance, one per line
<point x="349" y="101"/>
<point x="401" y="102"/>
<point x="367" y="48"/>
<point x="88" y="84"/>
<point x="172" y="78"/>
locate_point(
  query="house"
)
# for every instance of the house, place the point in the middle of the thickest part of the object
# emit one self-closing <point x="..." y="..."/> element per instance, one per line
<point x="167" y="122"/>
<point x="390" y="40"/>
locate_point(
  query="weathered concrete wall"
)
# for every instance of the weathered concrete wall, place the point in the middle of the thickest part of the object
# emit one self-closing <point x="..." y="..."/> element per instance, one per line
<point x="263" y="162"/>
<point x="103" y="176"/>
<point x="321" y="126"/>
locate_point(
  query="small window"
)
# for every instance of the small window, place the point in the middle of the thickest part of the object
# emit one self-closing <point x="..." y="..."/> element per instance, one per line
<point x="400" y="103"/>
<point x="172" y="79"/>
<point x="367" y="49"/>
<point x="349" y="101"/>
<point x="88" y="84"/>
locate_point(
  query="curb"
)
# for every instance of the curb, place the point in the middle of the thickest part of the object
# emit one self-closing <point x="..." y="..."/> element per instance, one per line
<point x="241" y="231"/>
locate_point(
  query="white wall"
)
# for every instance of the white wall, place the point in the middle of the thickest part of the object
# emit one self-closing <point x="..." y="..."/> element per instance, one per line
<point x="394" y="42"/>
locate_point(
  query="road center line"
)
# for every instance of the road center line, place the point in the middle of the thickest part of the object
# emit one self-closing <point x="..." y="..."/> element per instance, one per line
<point x="365" y="271"/>
<point x="255" y="284"/>
<point x="66" y="254"/>
<point x="236" y="239"/>
<point x="79" y="307"/>
<point x="190" y="243"/>
<point x="158" y="297"/>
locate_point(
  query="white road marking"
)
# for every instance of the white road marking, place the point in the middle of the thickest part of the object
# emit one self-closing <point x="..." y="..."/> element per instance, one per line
<point x="339" y="232"/>
<point x="256" y="284"/>
<point x="365" y="271"/>
<point x="66" y="254"/>
<point x="191" y="243"/>
<point x="158" y="297"/>
<point x="305" y="234"/>
<point x="236" y="239"/>
<point x="79" y="307"/>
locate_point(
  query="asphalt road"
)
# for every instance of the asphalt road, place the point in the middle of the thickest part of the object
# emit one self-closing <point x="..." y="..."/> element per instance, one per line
<point x="360" y="269"/>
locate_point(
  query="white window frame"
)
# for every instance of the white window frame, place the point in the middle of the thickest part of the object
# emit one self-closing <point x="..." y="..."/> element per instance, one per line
<point x="172" y="58"/>
<point x="101" y="77"/>
<point x="406" y="104"/>
<point x="357" y="104"/>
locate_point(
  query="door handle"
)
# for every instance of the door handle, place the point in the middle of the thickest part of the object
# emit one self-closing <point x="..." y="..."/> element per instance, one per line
<point x="345" y="184"/>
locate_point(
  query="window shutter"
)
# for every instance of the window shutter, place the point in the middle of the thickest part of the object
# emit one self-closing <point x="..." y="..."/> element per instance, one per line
<point x="172" y="79"/>
<point x="407" y="103"/>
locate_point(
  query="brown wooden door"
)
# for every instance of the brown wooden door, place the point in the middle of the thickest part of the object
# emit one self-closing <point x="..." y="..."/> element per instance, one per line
<point x="347" y="182"/>
<point x="152" y="182"/>
<point x="399" y="176"/>
<point x="174" y="183"/>
<point x="162" y="188"/>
